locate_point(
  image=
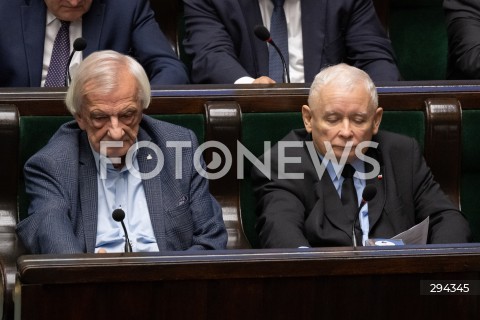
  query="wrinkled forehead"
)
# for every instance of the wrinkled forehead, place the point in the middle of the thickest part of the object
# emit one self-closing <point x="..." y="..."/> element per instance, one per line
<point x="332" y="97"/>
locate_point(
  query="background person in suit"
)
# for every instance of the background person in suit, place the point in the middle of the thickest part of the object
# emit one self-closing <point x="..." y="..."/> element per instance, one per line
<point x="343" y="108"/>
<point x="71" y="198"/>
<point x="224" y="49"/>
<point x="463" y="27"/>
<point x="28" y="29"/>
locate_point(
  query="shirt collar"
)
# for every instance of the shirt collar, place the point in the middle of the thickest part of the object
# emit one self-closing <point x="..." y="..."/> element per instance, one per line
<point x="50" y="17"/>
<point x="107" y="162"/>
<point x="333" y="168"/>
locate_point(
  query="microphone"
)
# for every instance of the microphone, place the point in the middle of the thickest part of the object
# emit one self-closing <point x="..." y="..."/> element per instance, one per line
<point x="263" y="34"/>
<point x="78" y="45"/>
<point x="368" y="194"/>
<point x="118" y="215"/>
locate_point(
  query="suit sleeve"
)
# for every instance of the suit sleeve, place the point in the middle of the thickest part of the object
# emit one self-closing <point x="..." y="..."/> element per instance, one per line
<point x="48" y="228"/>
<point x="153" y="50"/>
<point x="447" y="223"/>
<point x="208" y="227"/>
<point x="212" y="48"/>
<point x="463" y="27"/>
<point x="280" y="209"/>
<point x="367" y="45"/>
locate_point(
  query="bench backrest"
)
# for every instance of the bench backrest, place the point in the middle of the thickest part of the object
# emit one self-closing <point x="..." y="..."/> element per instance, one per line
<point x="252" y="115"/>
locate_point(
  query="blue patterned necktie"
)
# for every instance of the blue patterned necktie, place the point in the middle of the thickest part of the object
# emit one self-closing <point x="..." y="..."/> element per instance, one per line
<point x="279" y="34"/>
<point x="60" y="53"/>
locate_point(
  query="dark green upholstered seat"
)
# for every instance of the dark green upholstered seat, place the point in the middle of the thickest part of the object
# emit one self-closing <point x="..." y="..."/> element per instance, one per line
<point x="35" y="131"/>
<point x="260" y="127"/>
<point x="419" y="37"/>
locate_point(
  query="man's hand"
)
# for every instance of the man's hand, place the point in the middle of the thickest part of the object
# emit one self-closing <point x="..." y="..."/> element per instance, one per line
<point x="264" y="80"/>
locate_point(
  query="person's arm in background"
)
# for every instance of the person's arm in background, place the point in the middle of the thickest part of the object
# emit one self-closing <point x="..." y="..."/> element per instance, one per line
<point x="213" y="52"/>
<point x="463" y="27"/>
<point x="366" y="43"/>
<point x="153" y="50"/>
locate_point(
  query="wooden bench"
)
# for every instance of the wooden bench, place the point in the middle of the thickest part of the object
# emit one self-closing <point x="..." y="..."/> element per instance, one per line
<point x="442" y="116"/>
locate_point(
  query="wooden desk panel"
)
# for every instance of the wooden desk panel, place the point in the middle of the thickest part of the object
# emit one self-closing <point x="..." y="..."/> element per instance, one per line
<point x="258" y="284"/>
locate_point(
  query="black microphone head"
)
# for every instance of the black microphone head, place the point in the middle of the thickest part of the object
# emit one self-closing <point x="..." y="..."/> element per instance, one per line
<point x="118" y="215"/>
<point x="79" y="44"/>
<point x="369" y="192"/>
<point x="262" y="33"/>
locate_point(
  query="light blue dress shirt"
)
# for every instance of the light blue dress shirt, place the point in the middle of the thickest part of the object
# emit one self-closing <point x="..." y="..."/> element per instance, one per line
<point x="121" y="189"/>
<point x="337" y="180"/>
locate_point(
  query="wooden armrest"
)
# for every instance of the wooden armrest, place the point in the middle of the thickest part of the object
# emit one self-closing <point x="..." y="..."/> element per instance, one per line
<point x="443" y="147"/>
<point x="223" y="121"/>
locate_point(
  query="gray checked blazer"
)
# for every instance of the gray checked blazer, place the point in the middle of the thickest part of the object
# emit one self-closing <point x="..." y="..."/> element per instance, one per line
<point x="61" y="183"/>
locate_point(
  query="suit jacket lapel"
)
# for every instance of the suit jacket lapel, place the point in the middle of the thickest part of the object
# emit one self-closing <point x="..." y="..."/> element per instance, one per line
<point x="328" y="203"/>
<point x="92" y="23"/>
<point x="88" y="189"/>
<point x="377" y="204"/>
<point x="313" y="18"/>
<point x="253" y="17"/>
<point x="334" y="210"/>
<point x="34" y="15"/>
<point x="147" y="162"/>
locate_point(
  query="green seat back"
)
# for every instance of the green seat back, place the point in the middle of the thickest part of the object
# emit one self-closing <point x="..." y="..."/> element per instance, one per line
<point x="419" y="37"/>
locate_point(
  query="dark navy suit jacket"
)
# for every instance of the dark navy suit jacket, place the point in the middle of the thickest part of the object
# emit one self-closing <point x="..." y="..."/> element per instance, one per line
<point x="61" y="181"/>
<point x="220" y="39"/>
<point x="126" y="26"/>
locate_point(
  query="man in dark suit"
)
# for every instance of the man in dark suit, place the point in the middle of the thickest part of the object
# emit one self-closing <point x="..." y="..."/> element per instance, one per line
<point x="224" y="49"/>
<point x="114" y="157"/>
<point x="342" y="122"/>
<point x="28" y="29"/>
<point x="463" y="27"/>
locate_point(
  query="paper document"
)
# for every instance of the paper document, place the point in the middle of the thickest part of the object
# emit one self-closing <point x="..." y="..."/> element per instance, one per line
<point x="417" y="234"/>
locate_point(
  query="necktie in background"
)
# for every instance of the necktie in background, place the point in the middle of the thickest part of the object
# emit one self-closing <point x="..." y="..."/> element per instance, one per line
<point x="60" y="53"/>
<point x="349" y="194"/>
<point x="279" y="34"/>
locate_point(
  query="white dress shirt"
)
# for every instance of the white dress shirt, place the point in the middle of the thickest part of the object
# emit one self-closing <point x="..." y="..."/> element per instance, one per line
<point x="293" y="15"/>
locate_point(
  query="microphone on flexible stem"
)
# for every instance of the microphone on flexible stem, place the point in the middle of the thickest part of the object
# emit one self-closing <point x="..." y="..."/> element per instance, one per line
<point x="263" y="34"/>
<point x="368" y="194"/>
<point x="78" y="45"/>
<point x="118" y="215"/>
